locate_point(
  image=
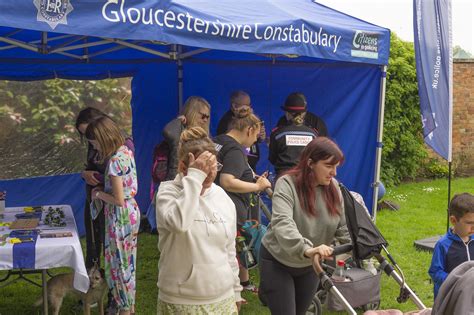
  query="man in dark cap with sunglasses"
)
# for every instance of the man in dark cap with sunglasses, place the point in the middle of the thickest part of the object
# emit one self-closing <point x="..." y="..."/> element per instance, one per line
<point x="240" y="105"/>
<point x="287" y="141"/>
<point x="310" y="119"/>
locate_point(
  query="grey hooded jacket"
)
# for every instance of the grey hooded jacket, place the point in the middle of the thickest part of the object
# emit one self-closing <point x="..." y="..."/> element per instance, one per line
<point x="456" y="295"/>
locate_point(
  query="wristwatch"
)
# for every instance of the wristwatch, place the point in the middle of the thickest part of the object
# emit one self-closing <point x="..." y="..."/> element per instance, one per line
<point x="97" y="194"/>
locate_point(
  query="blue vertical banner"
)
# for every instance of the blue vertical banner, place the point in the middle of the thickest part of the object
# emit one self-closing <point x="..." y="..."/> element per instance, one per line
<point x="434" y="69"/>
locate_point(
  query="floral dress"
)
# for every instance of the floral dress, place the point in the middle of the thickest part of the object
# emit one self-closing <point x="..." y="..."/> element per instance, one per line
<point x="121" y="232"/>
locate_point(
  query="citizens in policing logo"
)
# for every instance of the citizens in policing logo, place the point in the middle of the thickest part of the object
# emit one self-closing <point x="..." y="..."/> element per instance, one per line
<point x="53" y="12"/>
<point x="365" y="45"/>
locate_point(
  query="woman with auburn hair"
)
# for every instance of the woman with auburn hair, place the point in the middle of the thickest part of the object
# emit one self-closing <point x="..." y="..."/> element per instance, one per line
<point x="122" y="215"/>
<point x="195" y="113"/>
<point x="308" y="215"/>
<point x="198" y="270"/>
<point x="237" y="177"/>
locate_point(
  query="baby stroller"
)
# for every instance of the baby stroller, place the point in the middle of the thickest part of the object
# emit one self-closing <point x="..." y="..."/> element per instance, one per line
<point x="364" y="290"/>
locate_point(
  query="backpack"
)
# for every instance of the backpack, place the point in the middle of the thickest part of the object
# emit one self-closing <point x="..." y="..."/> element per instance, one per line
<point x="160" y="162"/>
<point x="249" y="242"/>
<point x="159" y="168"/>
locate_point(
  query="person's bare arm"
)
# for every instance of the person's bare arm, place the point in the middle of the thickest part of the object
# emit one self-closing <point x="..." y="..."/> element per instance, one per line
<point x="232" y="184"/>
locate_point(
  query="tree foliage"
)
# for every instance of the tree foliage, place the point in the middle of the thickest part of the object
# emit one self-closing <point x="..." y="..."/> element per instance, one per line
<point x="404" y="150"/>
<point x="38" y="121"/>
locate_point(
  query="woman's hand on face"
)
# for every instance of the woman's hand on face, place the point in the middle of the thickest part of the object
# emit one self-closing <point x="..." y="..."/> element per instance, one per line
<point x="323" y="251"/>
<point x="90" y="178"/>
<point x="205" y="162"/>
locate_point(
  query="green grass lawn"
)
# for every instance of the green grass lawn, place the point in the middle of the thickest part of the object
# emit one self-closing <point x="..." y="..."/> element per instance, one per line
<point x="422" y="214"/>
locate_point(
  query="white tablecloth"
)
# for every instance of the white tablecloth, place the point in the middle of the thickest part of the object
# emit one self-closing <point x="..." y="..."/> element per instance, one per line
<point x="51" y="252"/>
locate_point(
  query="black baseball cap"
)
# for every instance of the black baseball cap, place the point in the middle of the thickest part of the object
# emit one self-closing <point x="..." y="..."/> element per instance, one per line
<point x="295" y="103"/>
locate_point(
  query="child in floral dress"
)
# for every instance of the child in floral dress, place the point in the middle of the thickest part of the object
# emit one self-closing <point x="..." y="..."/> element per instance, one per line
<point x="122" y="215"/>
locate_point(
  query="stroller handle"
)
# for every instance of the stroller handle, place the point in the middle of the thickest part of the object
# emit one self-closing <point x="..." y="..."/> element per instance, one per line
<point x="317" y="265"/>
<point x="341" y="249"/>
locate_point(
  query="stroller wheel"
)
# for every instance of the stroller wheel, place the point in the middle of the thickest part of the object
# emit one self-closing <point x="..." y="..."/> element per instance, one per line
<point x="371" y="306"/>
<point x="316" y="307"/>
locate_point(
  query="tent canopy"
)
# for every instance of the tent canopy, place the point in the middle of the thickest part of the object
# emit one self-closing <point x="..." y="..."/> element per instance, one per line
<point x="175" y="49"/>
<point x="109" y="38"/>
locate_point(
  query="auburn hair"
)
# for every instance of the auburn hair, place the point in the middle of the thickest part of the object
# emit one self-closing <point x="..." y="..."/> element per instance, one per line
<point x="321" y="148"/>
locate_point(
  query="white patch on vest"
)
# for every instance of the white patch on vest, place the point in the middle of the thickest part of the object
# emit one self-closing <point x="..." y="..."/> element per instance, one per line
<point x="300" y="141"/>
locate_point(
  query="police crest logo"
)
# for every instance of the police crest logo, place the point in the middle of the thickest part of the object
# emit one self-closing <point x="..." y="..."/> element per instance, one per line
<point x="53" y="12"/>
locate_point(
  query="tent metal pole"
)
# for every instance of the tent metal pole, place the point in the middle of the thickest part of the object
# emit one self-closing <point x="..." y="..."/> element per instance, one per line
<point x="180" y="76"/>
<point x="44" y="43"/>
<point x="378" y="150"/>
<point x="80" y="46"/>
<point x="50" y="39"/>
<point x="137" y="47"/>
<point x="18" y="43"/>
<point x="193" y="53"/>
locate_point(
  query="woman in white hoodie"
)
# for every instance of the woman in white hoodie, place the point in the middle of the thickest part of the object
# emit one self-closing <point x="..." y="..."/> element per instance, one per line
<point x="198" y="269"/>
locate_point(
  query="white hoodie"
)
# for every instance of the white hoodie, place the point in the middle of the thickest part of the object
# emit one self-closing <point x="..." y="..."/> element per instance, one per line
<point x="197" y="233"/>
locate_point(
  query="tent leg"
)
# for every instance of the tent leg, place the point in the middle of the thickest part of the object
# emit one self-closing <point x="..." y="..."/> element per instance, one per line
<point x="378" y="150"/>
<point x="175" y="54"/>
<point x="180" y="78"/>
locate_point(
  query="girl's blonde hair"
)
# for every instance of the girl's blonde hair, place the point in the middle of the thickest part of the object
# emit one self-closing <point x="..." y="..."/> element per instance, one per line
<point x="107" y="134"/>
<point x="192" y="111"/>
<point x="247" y="120"/>
<point x="194" y="140"/>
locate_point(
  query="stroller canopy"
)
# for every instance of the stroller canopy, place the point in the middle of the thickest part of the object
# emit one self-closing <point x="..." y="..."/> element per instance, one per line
<point x="366" y="237"/>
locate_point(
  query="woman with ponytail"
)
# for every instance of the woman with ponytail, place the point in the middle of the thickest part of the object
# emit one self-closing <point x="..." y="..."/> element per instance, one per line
<point x="198" y="270"/>
<point x="308" y="215"/>
<point x="287" y="142"/>
<point x="237" y="177"/>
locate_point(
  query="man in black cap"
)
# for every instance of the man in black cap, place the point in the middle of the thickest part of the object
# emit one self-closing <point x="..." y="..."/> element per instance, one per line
<point x="287" y="142"/>
<point x="310" y="120"/>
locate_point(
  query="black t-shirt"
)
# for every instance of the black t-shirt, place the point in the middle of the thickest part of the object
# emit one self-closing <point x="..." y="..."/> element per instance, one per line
<point x="254" y="151"/>
<point x="234" y="160"/>
<point x="310" y="120"/>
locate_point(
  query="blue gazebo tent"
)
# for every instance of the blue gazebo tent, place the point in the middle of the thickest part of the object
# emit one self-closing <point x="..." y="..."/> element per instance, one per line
<point x="175" y="49"/>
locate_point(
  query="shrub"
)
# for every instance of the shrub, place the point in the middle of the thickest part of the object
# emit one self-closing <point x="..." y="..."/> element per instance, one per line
<point x="404" y="150"/>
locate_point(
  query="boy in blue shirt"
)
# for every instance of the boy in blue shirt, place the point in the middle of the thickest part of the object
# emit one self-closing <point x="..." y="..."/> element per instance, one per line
<point x="457" y="245"/>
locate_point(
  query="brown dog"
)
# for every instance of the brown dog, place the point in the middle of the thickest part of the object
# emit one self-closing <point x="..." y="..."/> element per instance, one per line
<point x="62" y="284"/>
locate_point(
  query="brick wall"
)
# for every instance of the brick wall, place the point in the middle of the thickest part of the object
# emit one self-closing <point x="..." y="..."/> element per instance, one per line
<point x="463" y="116"/>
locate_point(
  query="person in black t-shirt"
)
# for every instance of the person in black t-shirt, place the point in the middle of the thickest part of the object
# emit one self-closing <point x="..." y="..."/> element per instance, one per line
<point x="236" y="176"/>
<point x="240" y="105"/>
<point x="310" y="120"/>
<point x="287" y="142"/>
